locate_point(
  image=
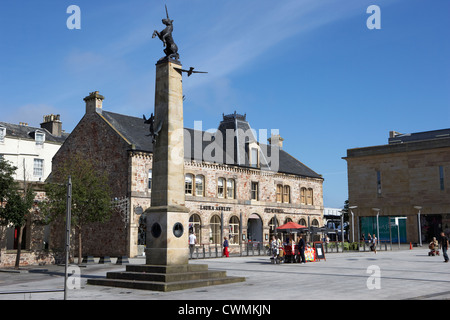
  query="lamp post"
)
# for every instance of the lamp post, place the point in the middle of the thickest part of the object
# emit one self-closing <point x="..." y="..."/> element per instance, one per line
<point x="418" y="223"/>
<point x="353" y="222"/>
<point x="377" y="210"/>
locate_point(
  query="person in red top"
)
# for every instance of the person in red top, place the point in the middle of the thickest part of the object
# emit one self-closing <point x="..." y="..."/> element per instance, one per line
<point x="225" y="247"/>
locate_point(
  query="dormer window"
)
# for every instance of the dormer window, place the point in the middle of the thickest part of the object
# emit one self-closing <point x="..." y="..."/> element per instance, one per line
<point x="39" y="137"/>
<point x="2" y="134"/>
<point x="254" y="157"/>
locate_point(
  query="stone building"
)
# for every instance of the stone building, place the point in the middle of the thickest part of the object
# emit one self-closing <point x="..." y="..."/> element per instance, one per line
<point x="234" y="185"/>
<point x="405" y="183"/>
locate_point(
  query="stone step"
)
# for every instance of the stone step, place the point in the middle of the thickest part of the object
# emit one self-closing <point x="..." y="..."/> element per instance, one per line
<point x="167" y="269"/>
<point x="164" y="286"/>
<point x="165" y="277"/>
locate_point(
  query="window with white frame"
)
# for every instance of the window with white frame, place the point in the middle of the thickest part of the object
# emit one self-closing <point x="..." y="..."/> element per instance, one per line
<point x="230" y="188"/>
<point x="199" y="185"/>
<point x="38" y="168"/>
<point x="39" y="137"/>
<point x="221" y="187"/>
<point x="188" y="184"/>
<point x="2" y="134"/>
<point x="254" y="190"/>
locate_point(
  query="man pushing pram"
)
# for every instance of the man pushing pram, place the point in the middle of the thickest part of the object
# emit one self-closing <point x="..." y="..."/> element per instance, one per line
<point x="276" y="250"/>
<point x="434" y="247"/>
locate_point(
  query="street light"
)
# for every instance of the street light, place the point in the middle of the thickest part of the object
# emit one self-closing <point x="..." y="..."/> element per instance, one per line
<point x="419" y="226"/>
<point x="377" y="210"/>
<point x="353" y="222"/>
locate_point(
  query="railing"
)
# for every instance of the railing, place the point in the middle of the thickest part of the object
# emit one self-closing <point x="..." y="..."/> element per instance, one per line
<point x="338" y="246"/>
<point x="25" y="292"/>
<point x="206" y="251"/>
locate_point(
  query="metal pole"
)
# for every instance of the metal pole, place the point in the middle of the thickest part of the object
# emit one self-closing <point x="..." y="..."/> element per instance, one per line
<point x="240" y="233"/>
<point x="353" y="226"/>
<point x="420" y="229"/>
<point x="68" y="218"/>
<point x="378" y="230"/>
<point x="342" y="230"/>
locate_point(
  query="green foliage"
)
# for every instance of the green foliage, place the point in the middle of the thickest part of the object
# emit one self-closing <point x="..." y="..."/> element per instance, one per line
<point x="91" y="199"/>
<point x="15" y="205"/>
<point x="6" y="179"/>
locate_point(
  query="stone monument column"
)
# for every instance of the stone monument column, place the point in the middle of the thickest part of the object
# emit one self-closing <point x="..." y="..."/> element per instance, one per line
<point x="167" y="218"/>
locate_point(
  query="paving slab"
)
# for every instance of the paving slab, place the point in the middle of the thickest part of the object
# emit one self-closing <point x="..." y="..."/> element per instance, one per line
<point x="387" y="275"/>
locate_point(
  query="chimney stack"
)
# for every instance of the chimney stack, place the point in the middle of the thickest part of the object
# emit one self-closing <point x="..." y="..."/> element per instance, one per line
<point x="277" y="140"/>
<point x="393" y="134"/>
<point x="94" y="102"/>
<point x="52" y="124"/>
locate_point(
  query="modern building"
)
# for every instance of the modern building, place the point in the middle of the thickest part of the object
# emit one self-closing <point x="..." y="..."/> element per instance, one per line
<point x="401" y="190"/>
<point x="235" y="186"/>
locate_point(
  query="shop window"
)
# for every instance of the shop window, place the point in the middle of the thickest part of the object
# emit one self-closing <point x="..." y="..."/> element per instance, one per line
<point x="234" y="230"/>
<point x="214" y="230"/>
<point x="195" y="226"/>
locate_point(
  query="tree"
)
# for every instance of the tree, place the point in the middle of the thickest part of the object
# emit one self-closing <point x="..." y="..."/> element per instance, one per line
<point x="17" y="211"/>
<point x="91" y="199"/>
<point x="15" y="204"/>
<point x="6" y="184"/>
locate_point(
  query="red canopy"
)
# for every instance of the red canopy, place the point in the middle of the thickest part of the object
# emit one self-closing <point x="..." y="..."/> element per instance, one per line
<point x="291" y="226"/>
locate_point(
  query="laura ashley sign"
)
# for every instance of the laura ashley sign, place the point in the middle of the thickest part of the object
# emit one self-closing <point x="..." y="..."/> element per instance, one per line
<point x="214" y="208"/>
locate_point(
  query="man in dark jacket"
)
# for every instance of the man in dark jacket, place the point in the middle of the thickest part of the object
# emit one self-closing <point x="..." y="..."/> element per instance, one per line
<point x="444" y="246"/>
<point x="301" y="249"/>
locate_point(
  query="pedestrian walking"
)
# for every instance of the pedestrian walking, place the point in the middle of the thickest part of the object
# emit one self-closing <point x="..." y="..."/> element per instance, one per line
<point x="192" y="242"/>
<point x="225" y="247"/>
<point x="374" y="243"/>
<point x="444" y="246"/>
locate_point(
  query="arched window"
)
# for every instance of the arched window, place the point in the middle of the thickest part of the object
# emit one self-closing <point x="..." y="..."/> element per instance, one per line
<point x="315" y="223"/>
<point x="195" y="226"/>
<point x="214" y="230"/>
<point x="279" y="193"/>
<point x="221" y="187"/>
<point x="199" y="186"/>
<point x="230" y="188"/>
<point x="302" y="222"/>
<point x="287" y="194"/>
<point x="234" y="230"/>
<point x="188" y="184"/>
<point x="288" y="220"/>
<point x="303" y="195"/>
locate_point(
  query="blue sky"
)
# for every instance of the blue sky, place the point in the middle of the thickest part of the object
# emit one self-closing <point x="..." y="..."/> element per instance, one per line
<point x="310" y="68"/>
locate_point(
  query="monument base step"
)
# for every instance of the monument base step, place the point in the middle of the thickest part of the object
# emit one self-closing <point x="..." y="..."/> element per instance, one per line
<point x="165" y="278"/>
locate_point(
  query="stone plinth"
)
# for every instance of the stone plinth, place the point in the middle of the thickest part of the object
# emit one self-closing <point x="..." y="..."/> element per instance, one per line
<point x="165" y="278"/>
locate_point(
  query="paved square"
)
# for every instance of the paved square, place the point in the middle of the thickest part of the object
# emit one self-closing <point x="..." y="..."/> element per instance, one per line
<point x="404" y="274"/>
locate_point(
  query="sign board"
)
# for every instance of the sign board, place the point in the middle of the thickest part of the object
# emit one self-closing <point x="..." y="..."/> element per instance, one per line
<point x="320" y="253"/>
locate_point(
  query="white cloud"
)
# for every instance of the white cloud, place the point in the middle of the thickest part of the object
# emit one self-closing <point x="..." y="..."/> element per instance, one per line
<point x="33" y="114"/>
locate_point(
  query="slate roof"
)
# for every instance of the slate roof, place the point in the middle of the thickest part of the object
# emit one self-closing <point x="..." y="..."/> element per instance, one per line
<point x="420" y="136"/>
<point x="136" y="132"/>
<point x="27" y="132"/>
